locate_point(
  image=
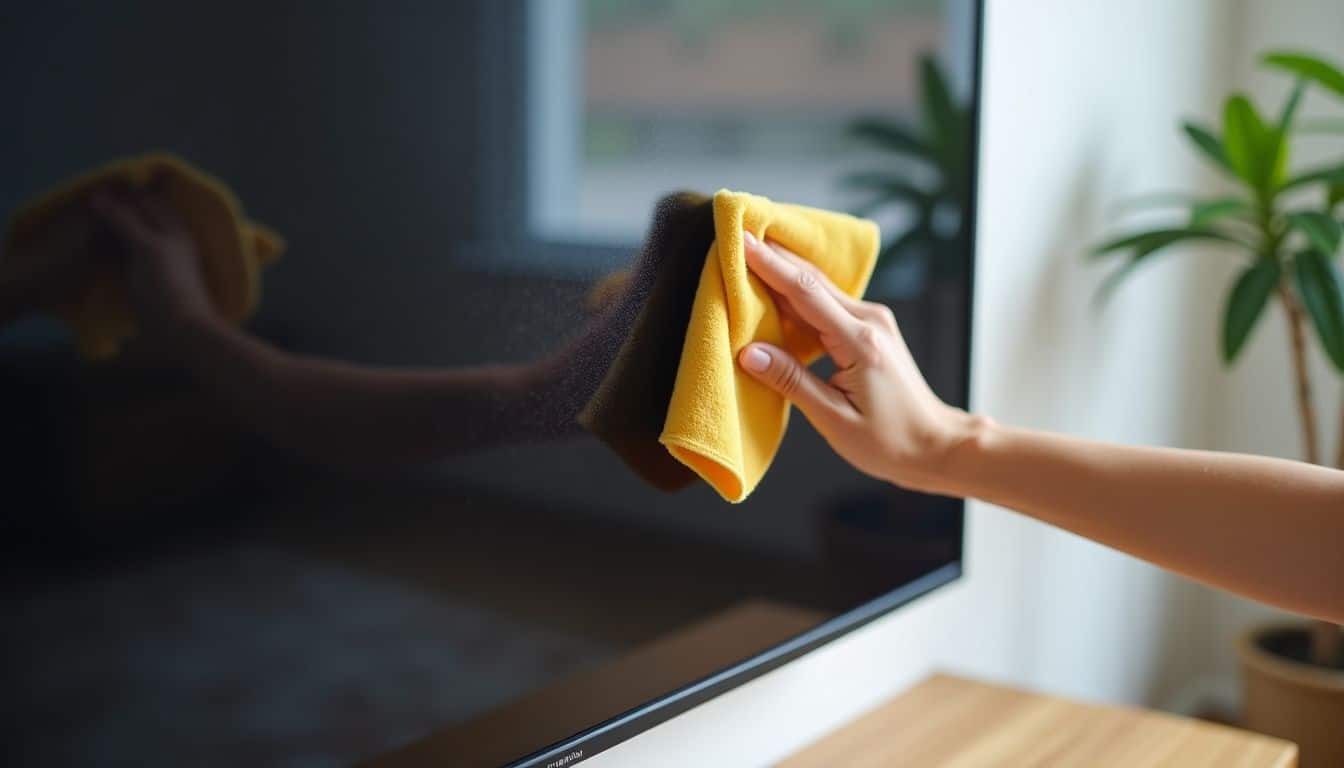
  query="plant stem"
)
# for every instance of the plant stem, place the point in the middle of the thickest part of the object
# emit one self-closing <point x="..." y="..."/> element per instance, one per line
<point x="1327" y="641"/>
<point x="1306" y="412"/>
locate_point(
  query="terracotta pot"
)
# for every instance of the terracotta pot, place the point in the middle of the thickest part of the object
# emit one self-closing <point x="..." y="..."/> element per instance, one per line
<point x="1292" y="699"/>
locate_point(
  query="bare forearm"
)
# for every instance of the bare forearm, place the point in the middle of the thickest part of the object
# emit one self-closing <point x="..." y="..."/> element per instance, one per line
<point x="347" y="414"/>
<point x="1267" y="528"/>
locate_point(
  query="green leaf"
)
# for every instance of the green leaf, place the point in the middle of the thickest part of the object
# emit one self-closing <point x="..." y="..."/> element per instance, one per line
<point x="1207" y="211"/>
<point x="1277" y="169"/>
<point x="889" y="135"/>
<point x="1307" y="66"/>
<point x="1321" y="230"/>
<point x="1246" y="303"/>
<point x="1113" y="281"/>
<point x="1322" y="292"/>
<point x="1144" y="243"/>
<point x="1334" y="194"/>
<point x="1332" y="175"/>
<point x="1290" y="106"/>
<point x="1208" y="143"/>
<point x="888" y="185"/>
<point x="1202" y="210"/>
<point x="866" y="209"/>
<point x="887" y="197"/>
<point x="940" y="113"/>
<point x="1255" y="150"/>
<point x="899" y="248"/>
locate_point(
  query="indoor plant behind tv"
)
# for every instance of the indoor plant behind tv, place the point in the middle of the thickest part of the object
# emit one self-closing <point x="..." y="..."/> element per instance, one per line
<point x="1287" y="226"/>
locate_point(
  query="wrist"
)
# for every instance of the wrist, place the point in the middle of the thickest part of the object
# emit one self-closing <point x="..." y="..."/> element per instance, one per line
<point x="198" y="340"/>
<point x="956" y="453"/>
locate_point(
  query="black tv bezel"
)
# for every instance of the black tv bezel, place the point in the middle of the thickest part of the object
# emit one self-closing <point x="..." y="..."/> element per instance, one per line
<point x="609" y="733"/>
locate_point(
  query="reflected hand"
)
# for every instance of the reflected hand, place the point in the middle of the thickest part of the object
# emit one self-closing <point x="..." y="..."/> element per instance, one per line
<point x="877" y="412"/>
<point x="163" y="266"/>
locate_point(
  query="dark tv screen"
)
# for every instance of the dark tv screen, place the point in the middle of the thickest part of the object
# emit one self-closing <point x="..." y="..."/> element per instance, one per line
<point x="186" y="585"/>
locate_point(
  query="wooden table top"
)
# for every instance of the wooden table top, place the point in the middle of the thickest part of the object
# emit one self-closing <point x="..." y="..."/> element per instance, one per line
<point x="951" y="721"/>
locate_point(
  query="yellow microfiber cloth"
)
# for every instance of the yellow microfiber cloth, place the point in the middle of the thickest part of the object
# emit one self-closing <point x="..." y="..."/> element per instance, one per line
<point x="233" y="250"/>
<point x="721" y="422"/>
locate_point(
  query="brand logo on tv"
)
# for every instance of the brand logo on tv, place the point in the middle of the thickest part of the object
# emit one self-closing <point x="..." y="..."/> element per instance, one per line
<point x="566" y="760"/>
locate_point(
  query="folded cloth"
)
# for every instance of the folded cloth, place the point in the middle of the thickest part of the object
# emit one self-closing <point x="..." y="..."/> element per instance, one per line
<point x="232" y="249"/>
<point x="720" y="422"/>
<point x="629" y="408"/>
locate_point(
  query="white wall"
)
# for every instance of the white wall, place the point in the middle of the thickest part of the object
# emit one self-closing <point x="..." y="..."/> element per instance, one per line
<point x="1081" y="105"/>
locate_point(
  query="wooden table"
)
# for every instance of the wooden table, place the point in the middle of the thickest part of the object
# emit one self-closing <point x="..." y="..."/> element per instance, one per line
<point x="951" y="721"/>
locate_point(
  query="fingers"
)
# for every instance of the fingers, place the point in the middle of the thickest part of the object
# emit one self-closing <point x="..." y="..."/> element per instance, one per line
<point x="789" y="319"/>
<point x="847" y="301"/>
<point x="155" y="208"/>
<point x="781" y="372"/>
<point x="808" y="292"/>
<point x="137" y="214"/>
<point x="122" y="216"/>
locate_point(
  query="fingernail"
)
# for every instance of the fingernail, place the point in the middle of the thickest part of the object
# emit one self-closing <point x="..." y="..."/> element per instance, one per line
<point x="755" y="359"/>
<point x="748" y="237"/>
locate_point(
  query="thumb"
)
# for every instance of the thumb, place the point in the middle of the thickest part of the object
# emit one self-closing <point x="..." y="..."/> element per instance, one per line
<point x="121" y="217"/>
<point x="781" y="372"/>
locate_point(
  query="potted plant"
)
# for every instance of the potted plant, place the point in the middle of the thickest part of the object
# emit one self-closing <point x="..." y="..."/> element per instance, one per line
<point x="1287" y="225"/>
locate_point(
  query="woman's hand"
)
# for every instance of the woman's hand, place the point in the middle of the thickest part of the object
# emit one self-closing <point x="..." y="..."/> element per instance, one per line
<point x="163" y="267"/>
<point x="877" y="411"/>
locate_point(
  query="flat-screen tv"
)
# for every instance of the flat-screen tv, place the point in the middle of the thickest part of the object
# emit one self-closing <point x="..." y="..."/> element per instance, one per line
<point x="199" y="577"/>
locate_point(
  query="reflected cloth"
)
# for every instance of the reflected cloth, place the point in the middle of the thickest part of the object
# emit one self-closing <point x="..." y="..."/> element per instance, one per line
<point x="629" y="407"/>
<point x="722" y="423"/>
<point x="233" y="249"/>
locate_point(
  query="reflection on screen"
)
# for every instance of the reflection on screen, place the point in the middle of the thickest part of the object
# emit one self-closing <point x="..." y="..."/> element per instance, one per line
<point x="201" y="577"/>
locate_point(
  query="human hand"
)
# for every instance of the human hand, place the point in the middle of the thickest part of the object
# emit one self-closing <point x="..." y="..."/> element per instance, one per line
<point x="877" y="412"/>
<point x="164" y="281"/>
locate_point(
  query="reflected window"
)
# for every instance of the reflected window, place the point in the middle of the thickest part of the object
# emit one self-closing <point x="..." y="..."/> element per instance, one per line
<point x="629" y="99"/>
